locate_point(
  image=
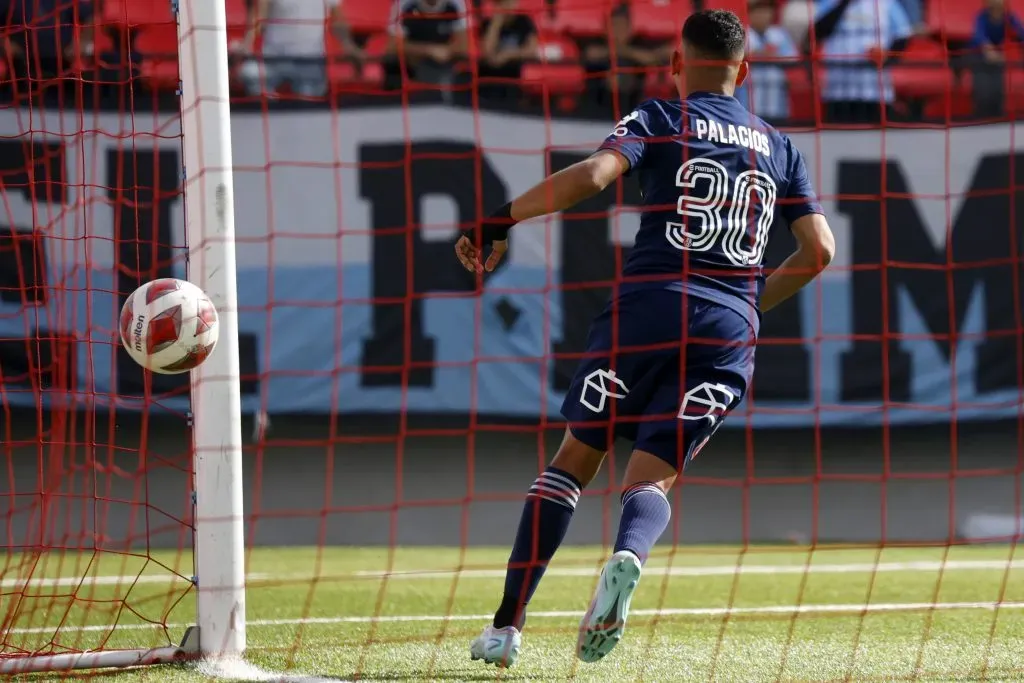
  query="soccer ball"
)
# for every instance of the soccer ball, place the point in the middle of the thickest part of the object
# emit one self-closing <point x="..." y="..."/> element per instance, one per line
<point x="168" y="326"/>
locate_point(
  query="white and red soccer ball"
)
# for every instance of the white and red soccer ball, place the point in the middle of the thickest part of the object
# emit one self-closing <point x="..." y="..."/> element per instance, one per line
<point x="168" y="326"/>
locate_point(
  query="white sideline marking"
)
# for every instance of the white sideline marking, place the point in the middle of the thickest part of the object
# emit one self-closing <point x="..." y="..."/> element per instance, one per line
<point x="126" y="580"/>
<point x="720" y="570"/>
<point x="713" y="570"/>
<point x="668" y="612"/>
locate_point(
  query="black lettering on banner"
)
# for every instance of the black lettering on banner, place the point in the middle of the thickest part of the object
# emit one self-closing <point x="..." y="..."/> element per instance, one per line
<point x="589" y="262"/>
<point x="34" y="170"/>
<point x="23" y="267"/>
<point x="406" y="267"/>
<point x="143" y="186"/>
<point x="978" y="256"/>
<point x="589" y="265"/>
<point x="782" y="367"/>
<point x="44" y="360"/>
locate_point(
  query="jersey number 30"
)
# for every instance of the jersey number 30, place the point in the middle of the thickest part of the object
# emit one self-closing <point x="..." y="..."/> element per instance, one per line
<point x="719" y="214"/>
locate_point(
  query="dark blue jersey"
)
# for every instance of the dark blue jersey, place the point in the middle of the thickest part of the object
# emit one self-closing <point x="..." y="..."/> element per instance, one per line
<point x="712" y="177"/>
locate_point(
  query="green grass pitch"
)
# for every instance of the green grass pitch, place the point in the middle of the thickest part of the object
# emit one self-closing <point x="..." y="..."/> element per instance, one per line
<point x="789" y="614"/>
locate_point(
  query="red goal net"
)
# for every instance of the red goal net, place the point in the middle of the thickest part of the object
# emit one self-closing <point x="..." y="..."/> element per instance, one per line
<point x="855" y="519"/>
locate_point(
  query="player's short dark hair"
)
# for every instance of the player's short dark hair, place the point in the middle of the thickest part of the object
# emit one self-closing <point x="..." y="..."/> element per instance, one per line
<point x="716" y="34"/>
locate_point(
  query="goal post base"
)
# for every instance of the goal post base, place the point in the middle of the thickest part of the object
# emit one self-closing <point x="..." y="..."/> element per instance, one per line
<point x="187" y="651"/>
<point x="105" y="659"/>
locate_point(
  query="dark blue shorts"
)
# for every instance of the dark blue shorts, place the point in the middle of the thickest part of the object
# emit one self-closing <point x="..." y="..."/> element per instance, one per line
<point x="680" y="364"/>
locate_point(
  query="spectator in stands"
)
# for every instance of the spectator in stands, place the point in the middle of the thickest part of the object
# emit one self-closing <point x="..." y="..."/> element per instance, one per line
<point x="293" y="48"/>
<point x="914" y="9"/>
<point x="508" y="39"/>
<point x="44" y="37"/>
<point x="994" y="27"/>
<point x="622" y="60"/>
<point x="795" y="17"/>
<point x="765" y="93"/>
<point x="428" y="37"/>
<point x="854" y="37"/>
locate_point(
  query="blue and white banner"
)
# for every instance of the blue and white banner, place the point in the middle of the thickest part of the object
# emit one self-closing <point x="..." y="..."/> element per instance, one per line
<point x="351" y="300"/>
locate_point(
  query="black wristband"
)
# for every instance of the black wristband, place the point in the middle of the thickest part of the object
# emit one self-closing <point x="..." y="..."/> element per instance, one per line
<point x="504" y="213"/>
<point x="494" y="228"/>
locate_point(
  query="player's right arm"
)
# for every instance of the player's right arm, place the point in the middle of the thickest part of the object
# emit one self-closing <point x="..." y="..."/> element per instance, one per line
<point x="815" y="244"/>
<point x="570" y="186"/>
<point x="621" y="151"/>
<point x="557" y="192"/>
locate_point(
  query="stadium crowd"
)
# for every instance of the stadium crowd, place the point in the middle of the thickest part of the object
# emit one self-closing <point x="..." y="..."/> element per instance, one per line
<point x="834" y="61"/>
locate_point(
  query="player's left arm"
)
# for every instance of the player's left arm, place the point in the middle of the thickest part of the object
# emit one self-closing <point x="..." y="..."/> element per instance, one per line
<point x="557" y="192"/>
<point x="815" y="243"/>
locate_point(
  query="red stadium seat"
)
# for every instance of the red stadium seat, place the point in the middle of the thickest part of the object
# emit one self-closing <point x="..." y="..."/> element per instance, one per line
<point x="158" y="45"/>
<point x="367" y="16"/>
<point x="659" y="84"/>
<point x="553" y="79"/>
<point x="559" y="71"/>
<point x="659" y="19"/>
<point x="737" y="7"/>
<point x="802" y="102"/>
<point x="958" y="106"/>
<point x="923" y="71"/>
<point x="344" y="75"/>
<point x="582" y="18"/>
<point x="377" y="46"/>
<point x="238" y="18"/>
<point x="138" y="12"/>
<point x="953" y="19"/>
<point x="159" y="39"/>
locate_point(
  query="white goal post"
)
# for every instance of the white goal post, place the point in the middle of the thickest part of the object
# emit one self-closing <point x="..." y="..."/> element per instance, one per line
<point x="216" y="404"/>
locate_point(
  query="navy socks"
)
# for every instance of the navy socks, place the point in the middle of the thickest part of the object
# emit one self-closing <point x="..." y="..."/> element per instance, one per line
<point x="546" y="515"/>
<point x="645" y="514"/>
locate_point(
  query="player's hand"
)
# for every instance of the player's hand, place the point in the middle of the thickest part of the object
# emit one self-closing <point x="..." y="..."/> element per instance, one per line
<point x="469" y="255"/>
<point x="492" y="234"/>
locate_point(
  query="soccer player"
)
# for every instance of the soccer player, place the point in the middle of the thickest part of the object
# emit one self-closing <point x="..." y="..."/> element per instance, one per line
<point x="673" y="352"/>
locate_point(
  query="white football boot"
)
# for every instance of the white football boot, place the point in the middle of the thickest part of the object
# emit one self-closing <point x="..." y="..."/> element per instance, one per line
<point x="605" y="621"/>
<point x="498" y="646"/>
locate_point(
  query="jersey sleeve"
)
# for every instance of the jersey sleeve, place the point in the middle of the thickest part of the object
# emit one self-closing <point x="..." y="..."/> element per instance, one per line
<point x="800" y="199"/>
<point x="630" y="137"/>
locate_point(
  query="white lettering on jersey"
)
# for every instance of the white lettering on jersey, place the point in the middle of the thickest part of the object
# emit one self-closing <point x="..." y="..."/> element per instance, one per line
<point x="744" y="134"/>
<point x="713" y="131"/>
<point x="620" y="127"/>
<point x="721" y="216"/>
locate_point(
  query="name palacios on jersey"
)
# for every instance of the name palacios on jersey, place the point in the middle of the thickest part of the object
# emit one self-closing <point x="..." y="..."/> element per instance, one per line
<point x="729" y="134"/>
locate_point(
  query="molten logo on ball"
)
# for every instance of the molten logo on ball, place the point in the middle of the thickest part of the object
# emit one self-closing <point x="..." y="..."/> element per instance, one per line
<point x="168" y="326"/>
